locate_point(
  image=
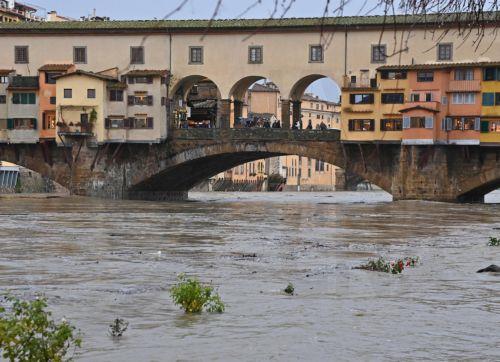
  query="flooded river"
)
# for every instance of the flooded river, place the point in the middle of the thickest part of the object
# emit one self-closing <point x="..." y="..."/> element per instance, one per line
<point x="97" y="260"/>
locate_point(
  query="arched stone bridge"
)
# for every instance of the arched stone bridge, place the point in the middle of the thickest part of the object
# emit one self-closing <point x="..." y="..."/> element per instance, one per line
<point x="168" y="170"/>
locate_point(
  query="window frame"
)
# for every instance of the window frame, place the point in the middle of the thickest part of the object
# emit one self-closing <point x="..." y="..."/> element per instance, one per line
<point x="66" y="92"/>
<point x="91" y="93"/>
<point x="116" y="98"/>
<point x="3" y="99"/>
<point x="191" y="58"/>
<point x="439" y="58"/>
<point x="258" y="48"/>
<point x="371" y="98"/>
<point x="311" y="53"/>
<point x="143" y="55"/>
<point x="396" y="122"/>
<point x="362" y="123"/>
<point x="75" y="49"/>
<point x="384" y="96"/>
<point x="427" y="79"/>
<point x="384" y="54"/>
<point x="27" y="54"/>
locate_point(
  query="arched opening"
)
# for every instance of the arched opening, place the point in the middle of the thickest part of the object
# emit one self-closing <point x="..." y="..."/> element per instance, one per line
<point x="196" y="103"/>
<point x="255" y="102"/>
<point x="16" y="179"/>
<point x="488" y="192"/>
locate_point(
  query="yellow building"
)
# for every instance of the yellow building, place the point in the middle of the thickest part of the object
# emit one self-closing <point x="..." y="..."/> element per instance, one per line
<point x="490" y="114"/>
<point x="370" y="107"/>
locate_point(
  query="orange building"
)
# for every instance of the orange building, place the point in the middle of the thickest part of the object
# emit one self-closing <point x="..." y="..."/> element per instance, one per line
<point x="47" y="95"/>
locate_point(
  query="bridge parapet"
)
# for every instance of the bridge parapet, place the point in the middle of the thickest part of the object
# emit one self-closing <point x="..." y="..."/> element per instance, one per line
<point x="255" y="134"/>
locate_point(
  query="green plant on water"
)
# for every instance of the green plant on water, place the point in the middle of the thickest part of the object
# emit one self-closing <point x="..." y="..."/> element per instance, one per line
<point x="194" y="297"/>
<point x="290" y="289"/>
<point x="118" y="327"/>
<point x="393" y="267"/>
<point x="494" y="242"/>
<point x="28" y="333"/>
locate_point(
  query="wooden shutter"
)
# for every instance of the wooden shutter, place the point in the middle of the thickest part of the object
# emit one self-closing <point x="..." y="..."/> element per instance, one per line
<point x="163" y="101"/>
<point x="406" y="122"/>
<point x="149" y="122"/>
<point x="35" y="123"/>
<point x="149" y="80"/>
<point x="131" y="100"/>
<point x="352" y="99"/>
<point x="131" y="80"/>
<point x="429" y="122"/>
<point x="126" y="123"/>
<point x="150" y="100"/>
<point x="485" y="126"/>
<point x="372" y="125"/>
<point x="449" y="123"/>
<point x="107" y="123"/>
<point x="10" y="123"/>
<point x="131" y="121"/>
<point x="477" y="124"/>
<point x="351" y="125"/>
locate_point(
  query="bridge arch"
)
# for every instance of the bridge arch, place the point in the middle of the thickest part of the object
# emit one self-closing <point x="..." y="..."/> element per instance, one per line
<point x="184" y="85"/>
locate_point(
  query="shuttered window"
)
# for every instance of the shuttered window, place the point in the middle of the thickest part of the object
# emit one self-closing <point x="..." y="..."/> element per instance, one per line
<point x="137" y="55"/>
<point x="80" y="55"/>
<point x="21" y="54"/>
<point x="361" y="125"/>
<point x="255" y="55"/>
<point x="195" y="55"/>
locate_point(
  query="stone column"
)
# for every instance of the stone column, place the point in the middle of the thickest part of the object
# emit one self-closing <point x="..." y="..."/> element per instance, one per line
<point x="297" y="113"/>
<point x="238" y="109"/>
<point x="170" y="106"/>
<point x="223" y="113"/>
<point x="285" y="114"/>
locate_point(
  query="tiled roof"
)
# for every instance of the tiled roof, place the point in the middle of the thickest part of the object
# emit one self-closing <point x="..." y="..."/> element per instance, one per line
<point x="6" y="71"/>
<point x="244" y="24"/>
<point x="264" y="88"/>
<point x="88" y="74"/>
<point x="55" y="67"/>
<point x="23" y="83"/>
<point x="147" y="72"/>
<point x="440" y="65"/>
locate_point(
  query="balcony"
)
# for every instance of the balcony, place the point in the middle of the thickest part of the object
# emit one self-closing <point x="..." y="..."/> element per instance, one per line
<point x="464" y="86"/>
<point x="361" y="84"/>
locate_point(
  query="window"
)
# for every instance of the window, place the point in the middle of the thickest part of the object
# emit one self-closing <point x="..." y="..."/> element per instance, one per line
<point x="255" y="55"/>
<point x="464" y="74"/>
<point x="116" y="95"/>
<point x="140" y="80"/>
<point x="4" y="79"/>
<point x="394" y="74"/>
<point x="417" y="122"/>
<point x="80" y="55"/>
<point x="50" y="78"/>
<point x="362" y="98"/>
<point x="90" y="93"/>
<point x="52" y="100"/>
<point x="491" y="74"/>
<point x="320" y="166"/>
<point x="494" y="126"/>
<point x="463" y="98"/>
<point x="3" y="99"/>
<point x="23" y="98"/>
<point x="195" y="55"/>
<point x="68" y="93"/>
<point x="24" y="123"/>
<point x="137" y="55"/>
<point x="463" y="123"/>
<point x="415" y="97"/>
<point x="142" y="122"/>
<point x="428" y="97"/>
<point x="391" y="124"/>
<point x="140" y="99"/>
<point x="49" y="121"/>
<point x="379" y="53"/>
<point x="315" y="53"/>
<point x="488" y="99"/>
<point x="21" y="54"/>
<point x="497" y="99"/>
<point x="393" y="98"/>
<point x="445" y="51"/>
<point x="116" y="123"/>
<point x="425" y="76"/>
<point x="361" y="125"/>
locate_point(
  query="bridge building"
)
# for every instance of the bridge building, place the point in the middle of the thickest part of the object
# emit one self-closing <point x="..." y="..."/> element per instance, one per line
<point x="126" y="82"/>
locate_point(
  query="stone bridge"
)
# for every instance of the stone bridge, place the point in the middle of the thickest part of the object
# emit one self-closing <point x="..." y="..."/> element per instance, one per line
<point x="168" y="170"/>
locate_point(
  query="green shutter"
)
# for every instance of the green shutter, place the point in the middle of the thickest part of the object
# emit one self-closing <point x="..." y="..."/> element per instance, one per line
<point x="31" y="98"/>
<point x="10" y="123"/>
<point x="16" y="99"/>
<point x="34" y="123"/>
<point x="485" y="126"/>
<point x="488" y="99"/>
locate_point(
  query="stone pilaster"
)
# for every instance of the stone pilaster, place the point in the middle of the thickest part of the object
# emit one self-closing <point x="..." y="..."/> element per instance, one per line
<point x="224" y="113"/>
<point x="285" y="113"/>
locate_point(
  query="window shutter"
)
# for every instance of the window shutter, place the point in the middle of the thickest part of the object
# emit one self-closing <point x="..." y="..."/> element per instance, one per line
<point x="10" y="123"/>
<point x="429" y="122"/>
<point x="444" y="100"/>
<point x="163" y="101"/>
<point x="449" y="123"/>
<point x="351" y="125"/>
<point x="150" y="80"/>
<point x="131" y="121"/>
<point x="149" y="122"/>
<point x="477" y="124"/>
<point x="352" y="99"/>
<point x="485" y="126"/>
<point x="406" y="122"/>
<point x="372" y="125"/>
<point x="35" y="123"/>
<point x="126" y="123"/>
<point x="150" y="100"/>
<point x="131" y="100"/>
<point x="107" y="123"/>
<point x="131" y="80"/>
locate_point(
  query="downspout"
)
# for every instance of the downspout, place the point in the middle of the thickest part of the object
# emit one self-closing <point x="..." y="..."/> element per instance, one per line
<point x="345" y="52"/>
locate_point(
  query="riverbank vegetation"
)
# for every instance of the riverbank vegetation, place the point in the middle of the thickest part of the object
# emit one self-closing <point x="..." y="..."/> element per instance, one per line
<point x="28" y="333"/>
<point x="194" y="297"/>
<point x="494" y="242"/>
<point x="393" y="267"/>
<point x="290" y="289"/>
<point x="118" y="327"/>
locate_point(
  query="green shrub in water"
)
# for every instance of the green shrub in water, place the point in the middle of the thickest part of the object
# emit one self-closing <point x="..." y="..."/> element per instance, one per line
<point x="194" y="297"/>
<point x="494" y="242"/>
<point x="27" y="333"/>
<point x="118" y="327"/>
<point x="289" y="289"/>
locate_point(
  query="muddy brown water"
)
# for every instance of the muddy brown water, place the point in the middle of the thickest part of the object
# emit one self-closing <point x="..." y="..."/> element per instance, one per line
<point x="97" y="260"/>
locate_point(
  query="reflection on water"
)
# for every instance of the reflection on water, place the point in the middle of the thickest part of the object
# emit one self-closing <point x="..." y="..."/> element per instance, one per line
<point x="97" y="260"/>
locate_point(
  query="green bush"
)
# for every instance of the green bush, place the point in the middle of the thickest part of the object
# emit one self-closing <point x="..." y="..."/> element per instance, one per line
<point x="394" y="267"/>
<point x="494" y="242"/>
<point x="27" y="333"/>
<point x="193" y="297"/>
<point x="118" y="327"/>
<point x="290" y="289"/>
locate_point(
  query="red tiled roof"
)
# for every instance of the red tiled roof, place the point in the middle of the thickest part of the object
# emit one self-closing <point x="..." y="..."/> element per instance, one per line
<point x="440" y="65"/>
<point x="6" y="71"/>
<point x="404" y="110"/>
<point x="88" y="74"/>
<point x="55" y="67"/>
